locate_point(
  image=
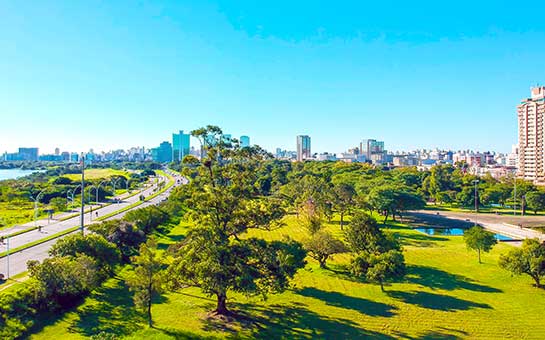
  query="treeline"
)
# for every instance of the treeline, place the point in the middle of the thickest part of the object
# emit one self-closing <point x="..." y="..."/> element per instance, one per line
<point x="79" y="264"/>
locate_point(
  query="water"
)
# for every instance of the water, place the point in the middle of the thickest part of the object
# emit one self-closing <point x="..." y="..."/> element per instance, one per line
<point x="456" y="232"/>
<point x="14" y="173"/>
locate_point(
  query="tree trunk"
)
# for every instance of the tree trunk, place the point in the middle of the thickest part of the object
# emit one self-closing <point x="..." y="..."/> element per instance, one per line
<point x="381" y="286"/>
<point x="323" y="263"/>
<point x="342" y="220"/>
<point x="222" y="308"/>
<point x="386" y="217"/>
<point x="150" y="291"/>
<point x="479" y="252"/>
<point x="536" y="279"/>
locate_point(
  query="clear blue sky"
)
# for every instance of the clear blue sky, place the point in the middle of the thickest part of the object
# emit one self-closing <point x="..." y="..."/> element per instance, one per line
<point x="115" y="74"/>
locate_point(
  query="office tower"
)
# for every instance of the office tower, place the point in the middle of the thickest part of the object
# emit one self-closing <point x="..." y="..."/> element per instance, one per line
<point x="303" y="148"/>
<point x="373" y="150"/>
<point x="57" y="151"/>
<point x="163" y="153"/>
<point x="28" y="154"/>
<point x="531" y="124"/>
<point x="244" y="141"/>
<point x="180" y="146"/>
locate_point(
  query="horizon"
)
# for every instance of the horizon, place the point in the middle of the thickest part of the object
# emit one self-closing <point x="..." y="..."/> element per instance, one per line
<point x="110" y="75"/>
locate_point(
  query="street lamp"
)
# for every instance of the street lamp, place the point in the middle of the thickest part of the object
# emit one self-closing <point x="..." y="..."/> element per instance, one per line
<point x="36" y="201"/>
<point x="114" y="183"/>
<point x="475" y="182"/>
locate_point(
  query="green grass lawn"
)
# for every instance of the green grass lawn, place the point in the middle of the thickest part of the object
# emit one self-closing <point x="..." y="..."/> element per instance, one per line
<point x="91" y="174"/>
<point x="445" y="295"/>
<point x="19" y="212"/>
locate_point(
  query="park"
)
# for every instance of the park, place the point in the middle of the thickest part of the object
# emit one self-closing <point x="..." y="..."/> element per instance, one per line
<point x="251" y="247"/>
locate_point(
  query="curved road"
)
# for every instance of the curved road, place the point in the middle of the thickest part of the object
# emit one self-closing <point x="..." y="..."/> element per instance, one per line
<point x="18" y="260"/>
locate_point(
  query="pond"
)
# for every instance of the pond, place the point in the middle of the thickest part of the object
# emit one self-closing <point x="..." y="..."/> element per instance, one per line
<point x="456" y="232"/>
<point x="15" y="173"/>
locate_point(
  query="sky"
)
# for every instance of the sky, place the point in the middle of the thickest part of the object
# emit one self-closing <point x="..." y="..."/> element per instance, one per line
<point x="416" y="74"/>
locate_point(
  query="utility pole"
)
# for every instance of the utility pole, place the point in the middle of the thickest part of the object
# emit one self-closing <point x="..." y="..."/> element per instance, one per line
<point x="476" y="201"/>
<point x="82" y="215"/>
<point x="7" y="257"/>
<point x="515" y="197"/>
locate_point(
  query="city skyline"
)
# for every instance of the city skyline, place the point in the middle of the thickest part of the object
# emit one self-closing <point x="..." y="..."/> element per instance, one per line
<point x="109" y="75"/>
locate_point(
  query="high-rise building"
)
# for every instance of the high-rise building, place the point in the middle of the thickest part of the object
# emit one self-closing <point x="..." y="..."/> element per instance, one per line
<point x="373" y="150"/>
<point x="303" y="148"/>
<point x="180" y="146"/>
<point x="28" y="154"/>
<point x="531" y="124"/>
<point x="163" y="153"/>
<point x="57" y="151"/>
<point x="244" y="141"/>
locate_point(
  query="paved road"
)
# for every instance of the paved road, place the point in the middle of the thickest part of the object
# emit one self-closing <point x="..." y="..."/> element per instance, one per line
<point x="17" y="261"/>
<point x="503" y="224"/>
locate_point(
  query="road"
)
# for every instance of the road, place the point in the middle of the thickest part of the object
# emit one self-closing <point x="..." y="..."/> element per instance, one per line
<point x="17" y="261"/>
<point x="513" y="226"/>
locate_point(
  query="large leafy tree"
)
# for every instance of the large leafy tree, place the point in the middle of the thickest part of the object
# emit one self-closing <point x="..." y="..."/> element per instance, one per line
<point x="535" y="201"/>
<point x="529" y="259"/>
<point x="344" y="198"/>
<point x="321" y="245"/>
<point x="224" y="203"/>
<point x="378" y="256"/>
<point x="96" y="246"/>
<point x="480" y="240"/>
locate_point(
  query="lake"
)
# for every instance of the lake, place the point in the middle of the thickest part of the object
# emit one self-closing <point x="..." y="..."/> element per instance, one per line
<point x="456" y="232"/>
<point x="14" y="173"/>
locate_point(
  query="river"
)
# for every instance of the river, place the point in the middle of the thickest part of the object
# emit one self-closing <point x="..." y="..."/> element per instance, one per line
<point x="14" y="173"/>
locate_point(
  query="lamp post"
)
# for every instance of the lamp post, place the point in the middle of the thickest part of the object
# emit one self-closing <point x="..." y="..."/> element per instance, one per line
<point x="36" y="201"/>
<point x="475" y="182"/>
<point x="82" y="216"/>
<point x="114" y="183"/>
<point x="515" y="195"/>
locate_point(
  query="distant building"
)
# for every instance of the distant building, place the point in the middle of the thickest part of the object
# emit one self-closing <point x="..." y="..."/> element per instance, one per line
<point x="65" y="156"/>
<point x="244" y="141"/>
<point x="373" y="150"/>
<point x="28" y="154"/>
<point x="531" y="115"/>
<point x="57" y="151"/>
<point x="180" y="146"/>
<point x="303" y="148"/>
<point x="74" y="157"/>
<point x="163" y="153"/>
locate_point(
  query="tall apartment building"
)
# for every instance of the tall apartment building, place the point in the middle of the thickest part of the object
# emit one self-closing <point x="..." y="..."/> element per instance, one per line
<point x="373" y="150"/>
<point x="180" y="146"/>
<point x="531" y="124"/>
<point x="303" y="148"/>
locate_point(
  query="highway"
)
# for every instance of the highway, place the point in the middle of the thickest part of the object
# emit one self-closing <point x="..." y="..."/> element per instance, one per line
<point x="18" y="260"/>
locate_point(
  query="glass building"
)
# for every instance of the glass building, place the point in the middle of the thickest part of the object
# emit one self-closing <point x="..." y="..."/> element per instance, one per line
<point x="180" y="146"/>
<point x="244" y="141"/>
<point x="303" y="148"/>
<point x="162" y="154"/>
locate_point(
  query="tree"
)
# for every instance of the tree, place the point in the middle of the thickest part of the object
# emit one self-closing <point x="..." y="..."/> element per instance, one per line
<point x="321" y="245"/>
<point x="529" y="259"/>
<point x="478" y="239"/>
<point x="381" y="267"/>
<point x="93" y="245"/>
<point x="224" y="203"/>
<point x="535" y="200"/>
<point x="123" y="234"/>
<point x="364" y="236"/>
<point x="58" y="204"/>
<point x="311" y="216"/>
<point x="383" y="200"/>
<point x="147" y="279"/>
<point x="344" y="198"/>
<point x="61" y="281"/>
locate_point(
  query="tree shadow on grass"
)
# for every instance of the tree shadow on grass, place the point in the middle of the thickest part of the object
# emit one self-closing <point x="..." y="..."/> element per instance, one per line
<point x="112" y="312"/>
<point x="291" y="321"/>
<point x="436" y="301"/>
<point x="337" y="299"/>
<point x="438" y="279"/>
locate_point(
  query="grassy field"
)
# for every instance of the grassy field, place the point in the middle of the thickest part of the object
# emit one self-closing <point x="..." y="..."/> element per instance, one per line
<point x="91" y="174"/>
<point x="16" y="212"/>
<point x="445" y="295"/>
